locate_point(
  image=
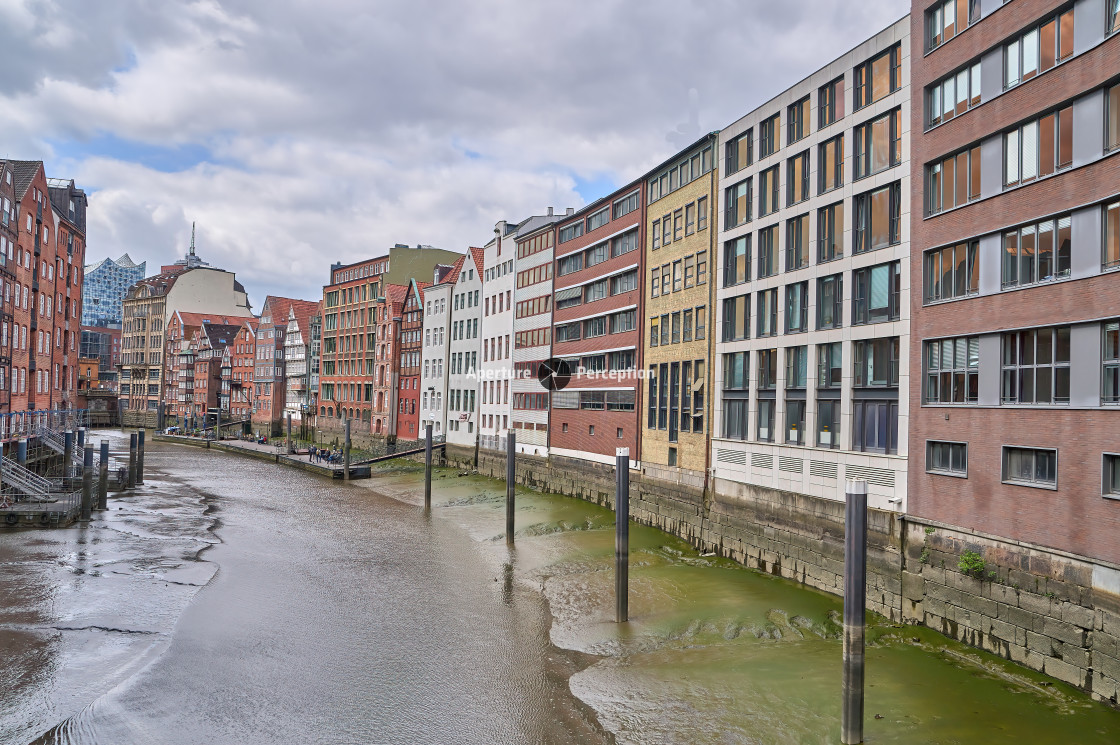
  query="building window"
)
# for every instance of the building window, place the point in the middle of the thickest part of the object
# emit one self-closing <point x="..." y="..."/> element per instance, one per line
<point x="1037" y="253"/>
<point x="1111" y="357"/>
<point x="947" y="19"/>
<point x="876" y="362"/>
<point x="953" y="181"/>
<point x="830" y="232"/>
<point x="767" y="254"/>
<point x="947" y="458"/>
<point x="830" y="299"/>
<point x="878" y="77"/>
<point x="797" y="243"/>
<point x="1030" y="467"/>
<point x="878" y="218"/>
<point x="952" y="272"/>
<point x="739" y="153"/>
<point x="953" y="95"/>
<point x="876" y="295"/>
<point x="768" y="191"/>
<point x="768" y="312"/>
<point x="878" y="144"/>
<point x="1038" y="148"/>
<point x="875" y="426"/>
<point x="702" y="213"/>
<point x="737" y="261"/>
<point x="1113" y="18"/>
<point x="736" y="318"/>
<point x="1038" y="50"/>
<point x="830" y="372"/>
<point x="626" y="205"/>
<point x="1036" y="366"/>
<point x="953" y="371"/>
<point x="1112" y="104"/>
<point x="1111" y="258"/>
<point x="797" y="308"/>
<point x="798" y="121"/>
<point x="830" y="103"/>
<point x="736" y="382"/>
<point x="797" y="178"/>
<point x="828" y="423"/>
<point x="831" y="164"/>
<point x="768" y="136"/>
<point x="1111" y="480"/>
<point x="570" y="232"/>
<point x="737" y="201"/>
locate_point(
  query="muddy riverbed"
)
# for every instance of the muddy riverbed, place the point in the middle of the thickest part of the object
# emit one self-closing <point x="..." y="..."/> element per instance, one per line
<point x="235" y="601"/>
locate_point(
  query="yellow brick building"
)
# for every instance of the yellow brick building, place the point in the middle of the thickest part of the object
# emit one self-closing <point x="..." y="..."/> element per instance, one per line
<point x="680" y="253"/>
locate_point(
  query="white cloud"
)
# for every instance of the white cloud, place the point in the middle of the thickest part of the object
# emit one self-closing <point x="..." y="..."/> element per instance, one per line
<point x="337" y="128"/>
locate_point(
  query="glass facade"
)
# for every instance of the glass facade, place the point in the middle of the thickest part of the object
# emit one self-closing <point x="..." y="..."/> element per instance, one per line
<point x="106" y="283"/>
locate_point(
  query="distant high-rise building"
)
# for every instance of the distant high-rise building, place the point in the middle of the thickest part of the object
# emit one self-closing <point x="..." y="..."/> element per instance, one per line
<point x="106" y="284"/>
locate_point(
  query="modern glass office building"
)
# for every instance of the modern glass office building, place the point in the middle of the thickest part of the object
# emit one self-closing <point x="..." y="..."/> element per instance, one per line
<point x="106" y="283"/>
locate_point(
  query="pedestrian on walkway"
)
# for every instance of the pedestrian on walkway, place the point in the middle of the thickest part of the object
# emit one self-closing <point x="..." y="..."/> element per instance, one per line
<point x="310" y="453"/>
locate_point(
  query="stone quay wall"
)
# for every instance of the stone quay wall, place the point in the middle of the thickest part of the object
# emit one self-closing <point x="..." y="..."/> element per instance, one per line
<point x="1055" y="613"/>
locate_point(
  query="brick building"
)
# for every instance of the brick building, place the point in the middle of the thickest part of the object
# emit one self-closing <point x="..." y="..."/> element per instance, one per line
<point x="1016" y="246"/>
<point x="49" y="254"/>
<point x="358" y="337"/>
<point x="242" y="364"/>
<point x="410" y="353"/>
<point x="269" y="375"/>
<point x="9" y="333"/>
<point x="679" y="249"/>
<point x="598" y="280"/>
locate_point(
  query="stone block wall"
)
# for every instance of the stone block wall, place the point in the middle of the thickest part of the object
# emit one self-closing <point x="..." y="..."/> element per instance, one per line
<point x="1052" y="612"/>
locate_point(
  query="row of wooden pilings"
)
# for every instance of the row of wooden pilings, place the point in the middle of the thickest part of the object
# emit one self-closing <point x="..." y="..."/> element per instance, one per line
<point x="134" y="475"/>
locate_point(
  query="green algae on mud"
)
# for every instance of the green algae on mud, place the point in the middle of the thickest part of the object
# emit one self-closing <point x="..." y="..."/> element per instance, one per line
<point x="718" y="652"/>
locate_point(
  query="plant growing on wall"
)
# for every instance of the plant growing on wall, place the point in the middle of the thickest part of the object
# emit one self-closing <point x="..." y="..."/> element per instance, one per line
<point x="972" y="564"/>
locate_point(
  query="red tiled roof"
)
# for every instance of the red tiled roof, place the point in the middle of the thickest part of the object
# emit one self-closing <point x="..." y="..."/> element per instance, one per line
<point x="189" y="319"/>
<point x="453" y="275"/>
<point x="478" y="255"/>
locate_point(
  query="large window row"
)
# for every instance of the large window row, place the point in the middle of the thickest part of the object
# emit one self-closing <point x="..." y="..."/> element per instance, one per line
<point x="686" y="220"/>
<point x="877" y="217"/>
<point x="674" y="177"/>
<point x="874" y="396"/>
<point x="597" y="254"/>
<point x="675" y="397"/>
<point x="675" y="276"/>
<point x="1037" y="50"/>
<point x="948" y="18"/>
<point x="679" y="327"/>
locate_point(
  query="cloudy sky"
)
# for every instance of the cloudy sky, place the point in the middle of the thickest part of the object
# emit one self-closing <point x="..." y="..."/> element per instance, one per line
<point x="301" y="132"/>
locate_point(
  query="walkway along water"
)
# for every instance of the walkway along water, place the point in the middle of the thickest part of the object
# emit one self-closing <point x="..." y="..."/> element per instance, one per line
<point x="717" y="652"/>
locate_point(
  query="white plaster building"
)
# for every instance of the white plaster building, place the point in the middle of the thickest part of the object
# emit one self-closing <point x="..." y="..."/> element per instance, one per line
<point x="812" y="315"/>
<point x="496" y="358"/>
<point x="464" y="348"/>
<point x="433" y="372"/>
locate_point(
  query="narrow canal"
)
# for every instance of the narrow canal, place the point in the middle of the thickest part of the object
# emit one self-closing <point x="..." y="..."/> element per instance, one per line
<point x="235" y="601"/>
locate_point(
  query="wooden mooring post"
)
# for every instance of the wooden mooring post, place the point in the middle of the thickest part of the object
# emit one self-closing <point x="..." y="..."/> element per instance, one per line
<point x="87" y="485"/>
<point x="132" y="438"/>
<point x="140" y="457"/>
<point x="346" y="454"/>
<point x="428" y="466"/>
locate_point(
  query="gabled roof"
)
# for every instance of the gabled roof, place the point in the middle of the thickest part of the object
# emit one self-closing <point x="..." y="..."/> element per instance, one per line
<point x="220" y="335"/>
<point x="196" y="320"/>
<point x="478" y="255"/>
<point x="302" y="311"/>
<point x="279" y="308"/>
<point x="24" y="172"/>
<point x="452" y="273"/>
<point x="394" y="296"/>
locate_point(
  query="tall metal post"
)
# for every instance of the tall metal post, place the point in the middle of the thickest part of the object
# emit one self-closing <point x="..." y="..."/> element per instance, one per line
<point x="622" y="535"/>
<point x="855" y="602"/>
<point x="87" y="485"/>
<point x="346" y="454"/>
<point x="291" y="446"/>
<point x="428" y="466"/>
<point x="81" y="437"/>
<point x="21" y="451"/>
<point x="132" y="460"/>
<point x="67" y="452"/>
<point x="140" y="457"/>
<point x="103" y="477"/>
<point x="511" y="482"/>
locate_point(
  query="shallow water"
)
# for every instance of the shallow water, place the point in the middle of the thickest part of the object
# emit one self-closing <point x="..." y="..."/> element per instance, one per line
<point x="716" y="652"/>
<point x="232" y="600"/>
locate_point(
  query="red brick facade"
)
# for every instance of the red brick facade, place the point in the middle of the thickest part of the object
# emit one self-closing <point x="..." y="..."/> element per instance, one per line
<point x="1073" y="516"/>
